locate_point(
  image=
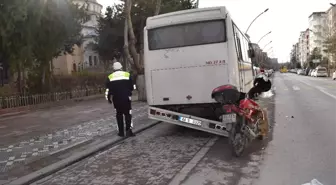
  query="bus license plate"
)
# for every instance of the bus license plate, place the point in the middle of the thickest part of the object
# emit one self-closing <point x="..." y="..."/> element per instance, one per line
<point x="229" y="118"/>
<point x="190" y="121"/>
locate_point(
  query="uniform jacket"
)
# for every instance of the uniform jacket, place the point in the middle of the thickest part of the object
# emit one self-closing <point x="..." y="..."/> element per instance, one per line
<point x="119" y="85"/>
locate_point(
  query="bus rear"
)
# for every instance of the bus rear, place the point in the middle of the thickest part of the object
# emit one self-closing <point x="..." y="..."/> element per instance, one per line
<point x="187" y="55"/>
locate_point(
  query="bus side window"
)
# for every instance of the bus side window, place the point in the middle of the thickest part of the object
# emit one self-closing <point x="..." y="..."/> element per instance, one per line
<point x="240" y="54"/>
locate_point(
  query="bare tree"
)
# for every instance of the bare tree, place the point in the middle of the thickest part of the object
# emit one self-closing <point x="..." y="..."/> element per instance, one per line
<point x="126" y="50"/>
<point x="157" y="7"/>
<point x="135" y="57"/>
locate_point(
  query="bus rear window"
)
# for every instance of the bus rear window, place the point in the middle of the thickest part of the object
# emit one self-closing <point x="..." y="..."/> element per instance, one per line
<point x="191" y="34"/>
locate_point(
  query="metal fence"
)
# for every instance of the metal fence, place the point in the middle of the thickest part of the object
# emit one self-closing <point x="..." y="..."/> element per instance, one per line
<point x="19" y="101"/>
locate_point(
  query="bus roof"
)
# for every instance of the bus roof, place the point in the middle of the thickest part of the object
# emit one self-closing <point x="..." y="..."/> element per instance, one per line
<point x="186" y="16"/>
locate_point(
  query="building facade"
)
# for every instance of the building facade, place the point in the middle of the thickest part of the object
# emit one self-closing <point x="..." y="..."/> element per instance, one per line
<point x="83" y="57"/>
<point x="331" y="26"/>
<point x="294" y="55"/>
<point x="318" y="31"/>
<point x="297" y="52"/>
<point x="303" y="45"/>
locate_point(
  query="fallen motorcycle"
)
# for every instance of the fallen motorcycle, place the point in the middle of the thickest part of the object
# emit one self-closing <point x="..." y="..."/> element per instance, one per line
<point x="243" y="117"/>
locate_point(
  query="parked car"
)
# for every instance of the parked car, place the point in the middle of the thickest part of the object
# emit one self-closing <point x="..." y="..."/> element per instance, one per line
<point x="321" y="72"/>
<point x="301" y="72"/>
<point x="310" y="72"/>
<point x="306" y="71"/>
<point x="293" y="70"/>
<point x="334" y="75"/>
<point x="313" y="73"/>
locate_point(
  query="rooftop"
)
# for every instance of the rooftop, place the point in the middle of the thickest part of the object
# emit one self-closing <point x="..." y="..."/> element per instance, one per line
<point x="317" y="13"/>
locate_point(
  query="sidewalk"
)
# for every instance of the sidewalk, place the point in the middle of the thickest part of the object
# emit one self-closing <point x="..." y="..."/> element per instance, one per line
<point x="27" y="139"/>
<point x="24" y="109"/>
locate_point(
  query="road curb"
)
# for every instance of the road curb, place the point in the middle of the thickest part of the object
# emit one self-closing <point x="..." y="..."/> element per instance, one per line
<point x="53" y="168"/>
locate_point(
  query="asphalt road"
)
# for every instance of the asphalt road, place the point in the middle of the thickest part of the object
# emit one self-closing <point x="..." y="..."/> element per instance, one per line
<point x="300" y="147"/>
<point x="303" y="146"/>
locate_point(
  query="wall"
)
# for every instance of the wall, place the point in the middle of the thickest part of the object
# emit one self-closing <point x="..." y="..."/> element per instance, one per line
<point x="66" y="64"/>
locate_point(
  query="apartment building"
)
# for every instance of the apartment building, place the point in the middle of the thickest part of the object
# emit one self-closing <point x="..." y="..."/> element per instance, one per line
<point x="331" y="25"/>
<point x="317" y="31"/>
<point x="303" y="45"/>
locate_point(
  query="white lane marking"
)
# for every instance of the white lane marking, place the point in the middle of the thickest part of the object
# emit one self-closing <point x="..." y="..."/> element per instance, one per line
<point x="320" y="89"/>
<point x="192" y="163"/>
<point x="296" y="88"/>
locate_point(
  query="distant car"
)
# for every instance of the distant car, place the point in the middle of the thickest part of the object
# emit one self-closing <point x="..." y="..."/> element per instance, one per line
<point x="334" y="75"/>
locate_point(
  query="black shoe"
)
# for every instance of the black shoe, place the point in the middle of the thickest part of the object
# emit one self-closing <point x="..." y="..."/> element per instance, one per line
<point x="121" y="134"/>
<point x="129" y="133"/>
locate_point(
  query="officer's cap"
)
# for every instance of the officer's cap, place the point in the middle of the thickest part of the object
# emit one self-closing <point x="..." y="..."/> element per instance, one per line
<point x="117" y="66"/>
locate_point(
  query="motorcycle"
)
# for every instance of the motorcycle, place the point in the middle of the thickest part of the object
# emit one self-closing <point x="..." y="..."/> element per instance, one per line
<point x="249" y="117"/>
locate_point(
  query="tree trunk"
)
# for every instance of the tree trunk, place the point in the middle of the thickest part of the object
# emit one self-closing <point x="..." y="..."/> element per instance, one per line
<point x="132" y="38"/>
<point x="157" y="7"/>
<point x="24" y="81"/>
<point x="141" y="53"/>
<point x="141" y="87"/>
<point x="19" y="85"/>
<point x="127" y="55"/>
<point x="50" y="75"/>
<point x="43" y="79"/>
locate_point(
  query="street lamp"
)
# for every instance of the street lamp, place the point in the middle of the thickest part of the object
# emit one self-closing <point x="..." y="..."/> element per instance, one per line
<point x="255" y="19"/>
<point x="264" y="36"/>
<point x="267" y="45"/>
<point x="270" y="49"/>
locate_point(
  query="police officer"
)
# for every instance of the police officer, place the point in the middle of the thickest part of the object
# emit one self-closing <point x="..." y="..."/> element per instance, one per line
<point x="119" y="89"/>
<point x="260" y="84"/>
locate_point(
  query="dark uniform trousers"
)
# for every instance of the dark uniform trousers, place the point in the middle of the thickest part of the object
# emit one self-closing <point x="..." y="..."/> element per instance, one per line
<point x="123" y="110"/>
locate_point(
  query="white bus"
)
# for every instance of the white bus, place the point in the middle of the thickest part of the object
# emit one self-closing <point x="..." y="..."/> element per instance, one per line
<point x="187" y="54"/>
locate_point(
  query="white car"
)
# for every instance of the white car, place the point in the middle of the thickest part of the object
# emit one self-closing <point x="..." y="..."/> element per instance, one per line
<point x="321" y="72"/>
<point x="334" y="75"/>
<point x="313" y="73"/>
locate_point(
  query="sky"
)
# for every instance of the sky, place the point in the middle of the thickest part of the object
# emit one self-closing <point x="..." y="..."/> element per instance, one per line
<point x="285" y="18"/>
